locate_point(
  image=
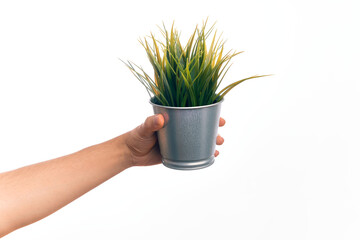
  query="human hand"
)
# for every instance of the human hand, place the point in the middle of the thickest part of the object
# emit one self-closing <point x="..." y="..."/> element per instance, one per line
<point x="143" y="145"/>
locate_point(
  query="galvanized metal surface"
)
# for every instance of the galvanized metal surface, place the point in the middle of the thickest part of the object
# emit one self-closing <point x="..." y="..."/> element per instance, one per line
<point x="188" y="139"/>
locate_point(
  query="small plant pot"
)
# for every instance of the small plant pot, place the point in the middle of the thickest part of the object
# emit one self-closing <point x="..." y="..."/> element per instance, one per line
<point x="188" y="139"/>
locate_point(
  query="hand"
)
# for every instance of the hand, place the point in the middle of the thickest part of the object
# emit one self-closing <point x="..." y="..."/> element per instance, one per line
<point x="143" y="145"/>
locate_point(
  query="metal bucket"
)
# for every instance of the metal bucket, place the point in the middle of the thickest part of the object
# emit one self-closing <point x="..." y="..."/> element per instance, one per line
<point x="188" y="139"/>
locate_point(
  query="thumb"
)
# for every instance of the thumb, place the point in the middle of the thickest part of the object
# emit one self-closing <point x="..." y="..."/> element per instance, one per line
<point x="151" y="125"/>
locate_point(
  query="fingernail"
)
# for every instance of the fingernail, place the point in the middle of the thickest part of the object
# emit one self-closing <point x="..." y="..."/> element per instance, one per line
<point x="156" y="120"/>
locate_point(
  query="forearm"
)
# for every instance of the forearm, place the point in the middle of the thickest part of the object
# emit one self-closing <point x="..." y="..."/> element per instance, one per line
<point x="33" y="192"/>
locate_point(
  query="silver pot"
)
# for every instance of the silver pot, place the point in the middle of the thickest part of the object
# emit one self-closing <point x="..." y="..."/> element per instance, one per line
<point x="188" y="139"/>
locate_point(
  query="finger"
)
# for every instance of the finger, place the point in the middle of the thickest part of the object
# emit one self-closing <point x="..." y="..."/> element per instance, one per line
<point x="219" y="140"/>
<point x="216" y="153"/>
<point x="151" y="125"/>
<point x="222" y="122"/>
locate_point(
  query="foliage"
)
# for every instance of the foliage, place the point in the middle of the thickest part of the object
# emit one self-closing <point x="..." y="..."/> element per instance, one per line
<point x="186" y="76"/>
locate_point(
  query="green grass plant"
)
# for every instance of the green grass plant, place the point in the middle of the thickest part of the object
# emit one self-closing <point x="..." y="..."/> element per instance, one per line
<point x="186" y="76"/>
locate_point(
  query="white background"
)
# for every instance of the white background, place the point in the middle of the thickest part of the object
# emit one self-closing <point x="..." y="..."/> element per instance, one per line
<point x="289" y="167"/>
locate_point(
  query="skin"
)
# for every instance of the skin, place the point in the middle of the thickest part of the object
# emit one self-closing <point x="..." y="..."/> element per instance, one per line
<point x="31" y="193"/>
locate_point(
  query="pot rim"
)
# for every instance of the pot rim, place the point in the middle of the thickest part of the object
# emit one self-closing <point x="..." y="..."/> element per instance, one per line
<point x="185" y="108"/>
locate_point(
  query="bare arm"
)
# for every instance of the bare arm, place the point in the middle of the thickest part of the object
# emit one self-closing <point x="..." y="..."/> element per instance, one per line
<point x="33" y="192"/>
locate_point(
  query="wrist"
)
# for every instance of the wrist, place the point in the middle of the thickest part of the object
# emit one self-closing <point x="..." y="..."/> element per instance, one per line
<point x="122" y="151"/>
